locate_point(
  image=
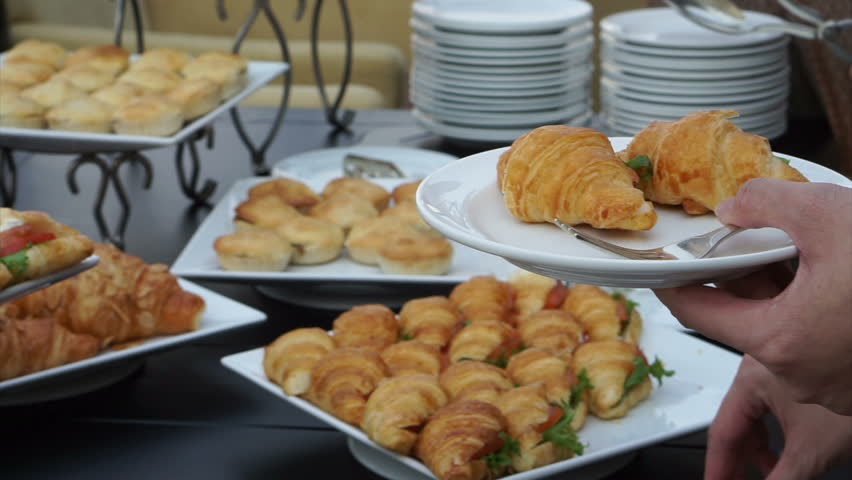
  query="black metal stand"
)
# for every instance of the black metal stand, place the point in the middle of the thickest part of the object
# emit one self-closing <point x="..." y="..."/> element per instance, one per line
<point x="8" y="177"/>
<point x="189" y="180"/>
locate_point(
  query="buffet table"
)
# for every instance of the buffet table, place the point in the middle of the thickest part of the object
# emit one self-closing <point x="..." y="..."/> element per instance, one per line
<point x="179" y="413"/>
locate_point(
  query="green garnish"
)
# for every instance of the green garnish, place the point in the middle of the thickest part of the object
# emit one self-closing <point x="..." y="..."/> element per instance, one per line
<point x="658" y="371"/>
<point x="561" y="434"/>
<point x="463" y="359"/>
<point x="629" y="304"/>
<point x="405" y="337"/>
<point x="641" y="369"/>
<point x="785" y="160"/>
<point x="501" y="361"/>
<point x="466" y="322"/>
<point x="499" y="460"/>
<point x="643" y="166"/>
<point x="583" y="384"/>
<point x="16" y="263"/>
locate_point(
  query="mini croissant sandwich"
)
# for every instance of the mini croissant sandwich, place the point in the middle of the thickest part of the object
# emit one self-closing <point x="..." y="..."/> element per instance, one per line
<point x="413" y="356"/>
<point x="431" y="320"/>
<point x="603" y="315"/>
<point x="534" y="292"/>
<point x="370" y="326"/>
<point x="483" y="298"/>
<point x="289" y="360"/>
<point x="472" y="380"/>
<point x="556" y="331"/>
<point x="342" y="380"/>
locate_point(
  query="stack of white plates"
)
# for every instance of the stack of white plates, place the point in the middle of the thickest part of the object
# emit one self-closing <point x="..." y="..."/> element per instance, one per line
<point x="489" y="71"/>
<point x="657" y="65"/>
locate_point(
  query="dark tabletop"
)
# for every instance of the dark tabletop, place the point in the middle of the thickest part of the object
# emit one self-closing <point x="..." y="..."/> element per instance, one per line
<point x="179" y="413"/>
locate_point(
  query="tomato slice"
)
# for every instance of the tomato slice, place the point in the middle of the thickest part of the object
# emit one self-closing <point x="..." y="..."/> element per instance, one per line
<point x="621" y="310"/>
<point x="12" y="245"/>
<point x="556" y="296"/>
<point x="17" y="238"/>
<point x="507" y="348"/>
<point x="491" y="446"/>
<point x="553" y="415"/>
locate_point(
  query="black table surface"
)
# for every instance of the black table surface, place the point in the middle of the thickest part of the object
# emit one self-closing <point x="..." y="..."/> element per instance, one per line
<point x="180" y="414"/>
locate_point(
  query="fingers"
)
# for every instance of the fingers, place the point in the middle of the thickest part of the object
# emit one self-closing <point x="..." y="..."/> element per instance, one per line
<point x="717" y="314"/>
<point x="764" y="283"/>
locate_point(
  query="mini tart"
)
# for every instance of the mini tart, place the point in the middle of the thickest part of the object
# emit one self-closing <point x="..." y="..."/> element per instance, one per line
<point x="407" y="211"/>
<point x="405" y="191"/>
<point x="344" y="210"/>
<point x="416" y="254"/>
<point x="196" y="96"/>
<point x="226" y="74"/>
<point x="25" y="74"/>
<point x="151" y="80"/>
<point x="149" y="115"/>
<point x="169" y="59"/>
<point x="20" y="112"/>
<point x="360" y="188"/>
<point x="314" y="240"/>
<point x="85" y="77"/>
<point x="288" y="190"/>
<point x="255" y="250"/>
<point x="117" y="94"/>
<point x="81" y="115"/>
<point x="53" y="93"/>
<point x="109" y="58"/>
<point x="266" y="211"/>
<point x="36" y="51"/>
<point x="368" y="236"/>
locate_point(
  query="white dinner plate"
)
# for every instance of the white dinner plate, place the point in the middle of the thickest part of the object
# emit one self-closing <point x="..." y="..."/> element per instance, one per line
<point x="435" y="78"/>
<point x="686" y="52"/>
<point x="532" y="69"/>
<point x="685" y="403"/>
<point x="480" y="40"/>
<point x="667" y="28"/>
<point x="61" y="141"/>
<point x="221" y="314"/>
<point x="663" y="85"/>
<point x="770" y="131"/>
<point x="753" y="119"/>
<point x="459" y="93"/>
<point x="433" y="46"/>
<point x="462" y="201"/>
<point x="775" y="91"/>
<point x="510" y="119"/>
<point x="776" y="57"/>
<point x="744" y="108"/>
<point x="486" y="134"/>
<point x="693" y="75"/>
<point x="499" y="78"/>
<point x="198" y="259"/>
<point x="747" y="123"/>
<point x="580" y="54"/>
<point x="30" y="286"/>
<point x="507" y="16"/>
<point x="524" y="104"/>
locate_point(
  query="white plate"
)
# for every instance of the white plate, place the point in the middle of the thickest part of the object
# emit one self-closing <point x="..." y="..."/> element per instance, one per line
<point x="198" y="259"/>
<point x="584" y="44"/>
<point x="480" y="40"/>
<point x="747" y="123"/>
<point x="492" y="69"/>
<point x="687" y="98"/>
<point x="462" y="201"/>
<point x="680" y="51"/>
<point x="221" y="314"/>
<point x="684" y="87"/>
<point x="578" y="55"/>
<point x="667" y="28"/>
<point x="450" y="91"/>
<point x="509" y="16"/>
<point x="435" y="78"/>
<point x="486" y="134"/>
<point x="775" y="57"/>
<point x="25" y="288"/>
<point x="512" y="78"/>
<point x="523" y="104"/>
<point x="776" y="114"/>
<point x="693" y="75"/>
<point x="486" y="119"/>
<point x="651" y="108"/>
<point x="59" y="141"/>
<point x="684" y="404"/>
<point x="770" y="131"/>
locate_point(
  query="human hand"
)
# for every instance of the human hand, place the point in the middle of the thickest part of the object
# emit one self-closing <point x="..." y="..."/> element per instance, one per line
<point x="801" y="331"/>
<point x="814" y="437"/>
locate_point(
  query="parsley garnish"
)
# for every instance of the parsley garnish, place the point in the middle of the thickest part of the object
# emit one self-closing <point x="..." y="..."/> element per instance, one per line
<point x="561" y="434"/>
<point x="405" y="337"/>
<point x="16" y="263"/>
<point x="641" y="369"/>
<point x="785" y="160"/>
<point x="642" y="165"/>
<point x="466" y="358"/>
<point x="583" y="384"/>
<point x="466" y="323"/>
<point x="501" y="361"/>
<point x="629" y="304"/>
<point x="499" y="460"/>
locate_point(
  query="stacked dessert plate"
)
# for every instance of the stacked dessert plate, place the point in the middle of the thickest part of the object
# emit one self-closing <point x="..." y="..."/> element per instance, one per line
<point x="489" y="71"/>
<point x="657" y="65"/>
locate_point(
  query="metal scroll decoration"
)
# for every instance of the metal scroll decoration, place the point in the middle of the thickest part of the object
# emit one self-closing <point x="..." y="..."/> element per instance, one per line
<point x="339" y="119"/>
<point x="8" y="177"/>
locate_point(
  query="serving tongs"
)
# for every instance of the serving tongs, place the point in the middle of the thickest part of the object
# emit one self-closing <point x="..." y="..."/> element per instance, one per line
<point x="355" y="165"/>
<point x="725" y="17"/>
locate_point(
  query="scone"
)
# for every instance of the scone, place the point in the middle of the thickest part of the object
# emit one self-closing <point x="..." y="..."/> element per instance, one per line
<point x="37" y="51"/>
<point x="416" y="254"/>
<point x="314" y="240"/>
<point x="85" y="77"/>
<point x="254" y="250"/>
<point x="53" y="93"/>
<point x="81" y="115"/>
<point x="196" y="96"/>
<point x="405" y="191"/>
<point x="368" y="236"/>
<point x="151" y="80"/>
<point x="25" y="74"/>
<point x="358" y="187"/>
<point x="289" y="190"/>
<point x="164" y="58"/>
<point x="226" y="69"/>
<point x="117" y="94"/>
<point x="407" y="211"/>
<point x="110" y="58"/>
<point x="19" y="112"/>
<point x="344" y="210"/>
<point x="265" y="211"/>
<point x="148" y="115"/>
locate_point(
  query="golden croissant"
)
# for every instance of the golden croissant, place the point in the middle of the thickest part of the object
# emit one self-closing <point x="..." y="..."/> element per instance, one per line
<point x="413" y="356"/>
<point x="703" y="159"/>
<point x="373" y="326"/>
<point x="472" y="380"/>
<point x="342" y="380"/>
<point x="33" y="344"/>
<point x="571" y="174"/>
<point x="288" y="360"/>
<point x="601" y="315"/>
<point x="551" y="329"/>
<point x="608" y="364"/>
<point x="484" y="340"/>
<point x="483" y="298"/>
<point x="431" y="320"/>
<point x="534" y="292"/>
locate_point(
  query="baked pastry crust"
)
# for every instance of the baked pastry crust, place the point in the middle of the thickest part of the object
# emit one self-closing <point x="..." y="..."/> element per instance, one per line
<point x="80" y="115"/>
<point x="370" y="326"/>
<point x="25" y="75"/>
<point x="85" y="77"/>
<point x="608" y="363"/>
<point x="36" y="344"/>
<point x="20" y="112"/>
<point x="254" y="250"/>
<point x="367" y="237"/>
<point x="53" y="93"/>
<point x="151" y="80"/>
<point x="483" y="297"/>
<point x="360" y="188"/>
<point x="37" y="51"/>
<point x="196" y="96"/>
<point x="413" y="356"/>
<point x="534" y="292"/>
<point x="554" y="330"/>
<point x="148" y="115"/>
<point x="601" y="315"/>
<point x="479" y="340"/>
<point x="110" y="58"/>
<point x="472" y="380"/>
<point x="343" y="379"/>
<point x="405" y="192"/>
<point x="288" y="190"/>
<point x="164" y="58"/>
<point x="266" y="211"/>
<point x="289" y="360"/>
<point x="432" y="320"/>
<point x="344" y="210"/>
<point x="416" y="254"/>
<point x="117" y="94"/>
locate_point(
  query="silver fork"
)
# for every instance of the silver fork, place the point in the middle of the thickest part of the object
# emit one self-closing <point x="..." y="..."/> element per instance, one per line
<point x="691" y="248"/>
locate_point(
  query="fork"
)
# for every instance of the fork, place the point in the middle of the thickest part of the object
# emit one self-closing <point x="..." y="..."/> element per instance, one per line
<point x="691" y="248"/>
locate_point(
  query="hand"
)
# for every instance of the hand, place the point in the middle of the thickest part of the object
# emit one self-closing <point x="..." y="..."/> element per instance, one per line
<point x="814" y="438"/>
<point x="801" y="331"/>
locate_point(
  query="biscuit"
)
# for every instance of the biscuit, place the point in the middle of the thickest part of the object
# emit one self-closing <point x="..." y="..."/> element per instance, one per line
<point x="117" y="94"/>
<point x="266" y="211"/>
<point x="25" y="74"/>
<point x="20" y="112"/>
<point x="344" y="210"/>
<point x="314" y="240"/>
<point x="358" y="187"/>
<point x="81" y="115"/>
<point x="416" y="254"/>
<point x="289" y="190"/>
<point x="36" y="51"/>
<point x="85" y="77"/>
<point x="164" y="58"/>
<point x="110" y="58"/>
<point x="151" y="80"/>
<point x="254" y="250"/>
<point x="148" y="115"/>
<point x="53" y="93"/>
<point x="368" y="236"/>
<point x="196" y="96"/>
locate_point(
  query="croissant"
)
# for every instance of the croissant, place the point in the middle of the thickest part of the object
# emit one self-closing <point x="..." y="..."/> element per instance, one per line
<point x="484" y="340"/>
<point x="457" y="437"/>
<point x="34" y="344"/>
<point x="534" y="292"/>
<point x="399" y="407"/>
<point x="483" y="298"/>
<point x="288" y="360"/>
<point x="431" y="320"/>
<point x="703" y="159"/>
<point x="120" y="299"/>
<point x="571" y="174"/>
<point x="413" y="356"/>
<point x="343" y="379"/>
<point x="554" y="330"/>
<point x="601" y="315"/>
<point x="535" y="365"/>
<point x="471" y="380"/>
<point x="608" y="364"/>
<point x="373" y="326"/>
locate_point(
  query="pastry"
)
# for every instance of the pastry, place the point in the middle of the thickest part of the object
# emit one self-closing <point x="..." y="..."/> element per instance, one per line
<point x="416" y="254"/>
<point x="253" y="250"/>
<point x="169" y="59"/>
<point x="609" y="364"/>
<point x="554" y="330"/>
<point x="228" y="70"/>
<point x="571" y="174"/>
<point x="360" y="188"/>
<point x="601" y="315"/>
<point x="265" y="211"/>
<point x="289" y="360"/>
<point x="53" y="93"/>
<point x="25" y="75"/>
<point x="20" y="112"/>
<point x="36" y="51"/>
<point x="314" y="240"/>
<point x="399" y="407"/>
<point x="196" y="96"/>
<point x="344" y="210"/>
<point x="288" y="190"/>
<point x="148" y="115"/>
<point x="484" y="340"/>
<point x="458" y="438"/>
<point x="413" y="356"/>
<point x="407" y="212"/>
<point x="110" y="58"/>
<point x="151" y="80"/>
<point x="472" y="380"/>
<point x="703" y="159"/>
<point x="35" y="344"/>
<point x="432" y="320"/>
<point x="534" y="292"/>
<point x="117" y="94"/>
<point x="33" y="245"/>
<point x="405" y="192"/>
<point x="85" y="77"/>
<point x="342" y="380"/>
<point x="483" y="298"/>
<point x="80" y="115"/>
<point x="367" y="237"/>
<point x="370" y="326"/>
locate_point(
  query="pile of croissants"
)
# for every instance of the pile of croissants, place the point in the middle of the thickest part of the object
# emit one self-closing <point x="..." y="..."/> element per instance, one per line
<point x="494" y="379"/>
